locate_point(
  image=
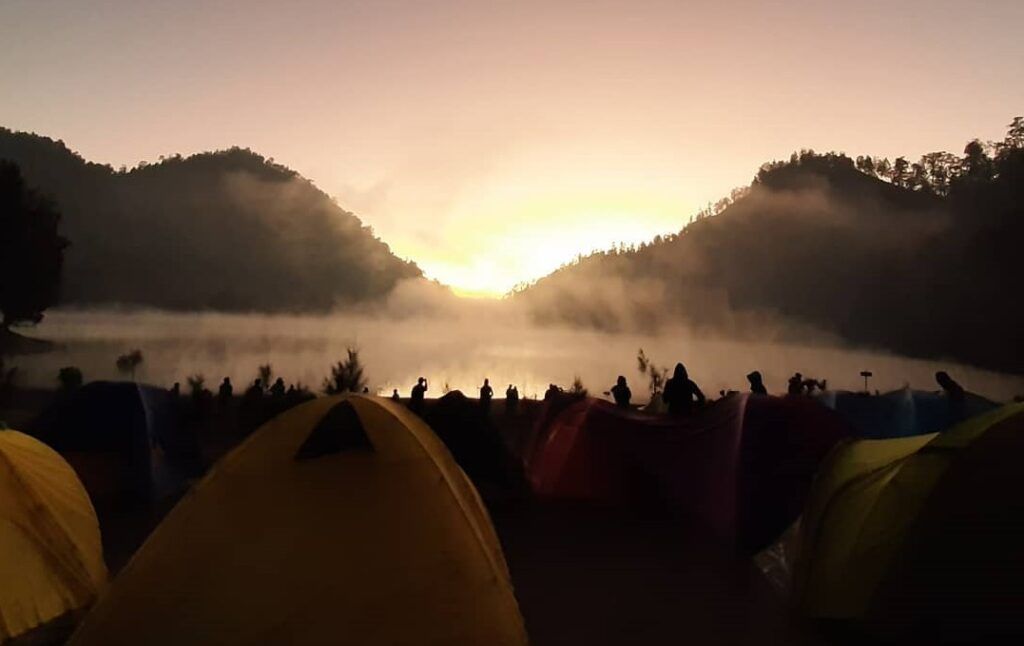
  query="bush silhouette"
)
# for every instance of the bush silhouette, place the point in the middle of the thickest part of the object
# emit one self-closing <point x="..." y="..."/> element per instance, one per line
<point x="346" y="376"/>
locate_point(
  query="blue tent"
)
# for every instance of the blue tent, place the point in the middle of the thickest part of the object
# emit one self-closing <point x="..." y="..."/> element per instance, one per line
<point x="902" y="413"/>
<point x="124" y="440"/>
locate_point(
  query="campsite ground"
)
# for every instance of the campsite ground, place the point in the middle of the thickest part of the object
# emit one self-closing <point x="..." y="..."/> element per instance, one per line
<point x="586" y="575"/>
<point x="601" y="575"/>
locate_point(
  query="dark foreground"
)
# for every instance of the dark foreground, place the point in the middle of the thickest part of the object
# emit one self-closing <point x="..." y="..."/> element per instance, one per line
<point x="582" y="574"/>
<point x="601" y="576"/>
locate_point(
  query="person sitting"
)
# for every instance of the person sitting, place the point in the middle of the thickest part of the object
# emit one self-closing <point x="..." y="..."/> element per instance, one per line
<point x="757" y="386"/>
<point x="395" y="396"/>
<point x="255" y="391"/>
<point x="796" y="384"/>
<point x="277" y="390"/>
<point x="552" y="392"/>
<point x="621" y="393"/>
<point x="681" y="393"/>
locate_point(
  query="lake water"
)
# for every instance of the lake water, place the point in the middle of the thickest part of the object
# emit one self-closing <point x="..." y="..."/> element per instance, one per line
<point x="457" y="351"/>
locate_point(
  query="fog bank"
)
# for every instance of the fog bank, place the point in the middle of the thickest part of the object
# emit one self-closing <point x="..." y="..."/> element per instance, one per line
<point x="419" y="332"/>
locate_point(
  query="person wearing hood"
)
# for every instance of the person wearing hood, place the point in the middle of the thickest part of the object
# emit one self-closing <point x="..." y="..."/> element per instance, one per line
<point x="681" y="394"/>
<point x="757" y="383"/>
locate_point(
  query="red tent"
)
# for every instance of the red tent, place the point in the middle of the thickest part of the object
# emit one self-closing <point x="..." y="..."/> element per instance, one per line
<point x="742" y="465"/>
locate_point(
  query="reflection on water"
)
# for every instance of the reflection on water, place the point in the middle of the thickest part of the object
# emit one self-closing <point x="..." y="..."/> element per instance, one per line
<point x="458" y="351"/>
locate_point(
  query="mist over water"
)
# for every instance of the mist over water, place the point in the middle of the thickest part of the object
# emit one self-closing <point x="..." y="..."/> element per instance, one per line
<point x="457" y="348"/>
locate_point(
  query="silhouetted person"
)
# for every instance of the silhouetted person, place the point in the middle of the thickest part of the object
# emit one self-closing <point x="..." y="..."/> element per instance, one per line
<point x="681" y="393"/>
<point x="293" y="396"/>
<point x="757" y="383"/>
<point x="552" y="392"/>
<point x="953" y="390"/>
<point x="486" y="394"/>
<point x="175" y="390"/>
<point x="796" y="384"/>
<point x="511" y="399"/>
<point x="621" y="392"/>
<point x="277" y="390"/>
<point x="251" y="410"/>
<point x="225" y="392"/>
<point x="255" y="391"/>
<point x="417" y="396"/>
<point x="395" y="396"/>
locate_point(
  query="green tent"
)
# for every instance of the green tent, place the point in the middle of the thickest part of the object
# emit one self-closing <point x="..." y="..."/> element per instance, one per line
<point x="920" y="534"/>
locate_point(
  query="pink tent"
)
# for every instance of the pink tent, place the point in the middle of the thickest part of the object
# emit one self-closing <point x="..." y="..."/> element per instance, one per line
<point x="742" y="465"/>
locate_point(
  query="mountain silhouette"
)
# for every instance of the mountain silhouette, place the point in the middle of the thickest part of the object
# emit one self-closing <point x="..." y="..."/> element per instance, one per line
<point x="926" y="267"/>
<point x="227" y="230"/>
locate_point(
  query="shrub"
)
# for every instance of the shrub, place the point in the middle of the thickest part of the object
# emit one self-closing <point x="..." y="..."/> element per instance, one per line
<point x="346" y="376"/>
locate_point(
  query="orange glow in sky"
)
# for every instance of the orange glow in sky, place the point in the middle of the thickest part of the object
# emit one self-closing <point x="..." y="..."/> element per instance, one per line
<point x="491" y="142"/>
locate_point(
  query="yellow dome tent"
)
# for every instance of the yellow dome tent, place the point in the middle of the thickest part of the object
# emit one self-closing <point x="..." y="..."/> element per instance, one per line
<point x="51" y="557"/>
<point x="341" y="521"/>
<point x="921" y="533"/>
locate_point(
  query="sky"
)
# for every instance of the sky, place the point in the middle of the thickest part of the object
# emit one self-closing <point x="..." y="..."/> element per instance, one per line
<point x="490" y="142"/>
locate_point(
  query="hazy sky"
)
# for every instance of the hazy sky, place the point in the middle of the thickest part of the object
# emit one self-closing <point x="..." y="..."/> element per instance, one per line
<point x="491" y="141"/>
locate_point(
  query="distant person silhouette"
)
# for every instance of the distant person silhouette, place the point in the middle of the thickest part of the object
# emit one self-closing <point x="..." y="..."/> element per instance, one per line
<point x="255" y="391"/>
<point x="175" y="390"/>
<point x="552" y="392"/>
<point x="486" y="394"/>
<point x="395" y="397"/>
<point x="277" y="390"/>
<point x="796" y="384"/>
<point x="681" y="393"/>
<point x="225" y="392"/>
<point x="953" y="390"/>
<point x="419" y="391"/>
<point x="621" y="393"/>
<point x="511" y="399"/>
<point x="252" y="407"/>
<point x="757" y="383"/>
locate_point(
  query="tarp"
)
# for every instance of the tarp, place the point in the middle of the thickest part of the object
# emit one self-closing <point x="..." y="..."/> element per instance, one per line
<point x="124" y="440"/>
<point x="922" y="534"/>
<point x="904" y="412"/>
<point x="341" y="521"/>
<point x="51" y="560"/>
<point x="741" y="465"/>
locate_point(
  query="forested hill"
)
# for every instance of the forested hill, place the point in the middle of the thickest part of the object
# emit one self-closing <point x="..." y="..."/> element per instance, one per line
<point x="228" y="230"/>
<point x="923" y="259"/>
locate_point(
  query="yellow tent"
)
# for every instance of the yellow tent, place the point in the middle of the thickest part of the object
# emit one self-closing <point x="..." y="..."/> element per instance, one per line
<point x="343" y="520"/>
<point x="885" y="516"/>
<point x="51" y="557"/>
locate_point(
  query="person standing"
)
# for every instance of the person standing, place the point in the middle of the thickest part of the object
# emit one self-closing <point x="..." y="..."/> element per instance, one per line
<point x="757" y="383"/>
<point x="681" y="393"/>
<point x="486" y="395"/>
<point x="419" y="392"/>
